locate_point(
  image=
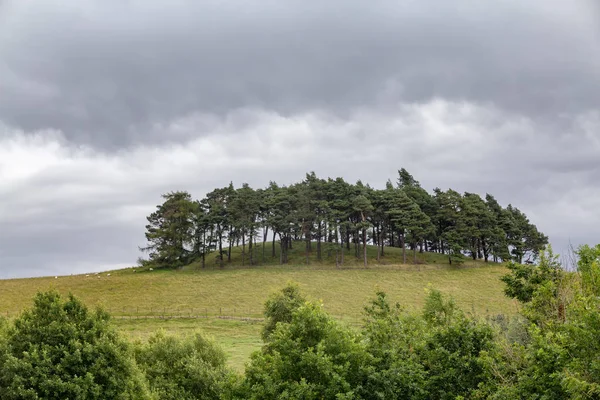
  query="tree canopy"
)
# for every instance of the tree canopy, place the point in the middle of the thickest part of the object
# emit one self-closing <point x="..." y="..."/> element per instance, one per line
<point x="352" y="216"/>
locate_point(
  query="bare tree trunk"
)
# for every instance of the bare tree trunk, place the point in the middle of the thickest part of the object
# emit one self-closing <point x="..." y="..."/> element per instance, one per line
<point x="251" y="249"/>
<point x="266" y="231"/>
<point x="281" y="245"/>
<point x="273" y="244"/>
<point x="402" y="242"/>
<point x="365" y="245"/>
<point x="319" y="234"/>
<point x="230" y="246"/>
<point x="220" y="249"/>
<point x="243" y="249"/>
<point x="379" y="244"/>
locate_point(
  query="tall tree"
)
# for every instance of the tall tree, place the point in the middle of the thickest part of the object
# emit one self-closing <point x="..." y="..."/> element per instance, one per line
<point x="170" y="231"/>
<point x="363" y="206"/>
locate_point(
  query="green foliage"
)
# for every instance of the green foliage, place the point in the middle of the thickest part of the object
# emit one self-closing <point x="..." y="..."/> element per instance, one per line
<point x="170" y="231"/>
<point x="311" y="357"/>
<point x="451" y="357"/>
<point x="182" y="230"/>
<point x="280" y="307"/>
<point x="396" y="355"/>
<point x="523" y="280"/>
<point x="393" y="369"/>
<point x="438" y="310"/>
<point x="588" y="267"/>
<point x="560" y="358"/>
<point x="183" y="368"/>
<point x="60" y="350"/>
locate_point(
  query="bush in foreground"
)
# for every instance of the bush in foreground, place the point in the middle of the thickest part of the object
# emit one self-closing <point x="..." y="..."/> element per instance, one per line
<point x="183" y="368"/>
<point x="60" y="350"/>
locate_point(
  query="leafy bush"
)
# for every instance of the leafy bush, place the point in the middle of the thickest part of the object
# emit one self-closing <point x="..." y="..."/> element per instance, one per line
<point x="183" y="368"/>
<point x="280" y="306"/>
<point x="311" y="357"/>
<point x="60" y="350"/>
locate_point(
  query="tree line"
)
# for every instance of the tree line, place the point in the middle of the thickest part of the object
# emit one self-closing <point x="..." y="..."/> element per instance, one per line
<point x="59" y="349"/>
<point x="352" y="216"/>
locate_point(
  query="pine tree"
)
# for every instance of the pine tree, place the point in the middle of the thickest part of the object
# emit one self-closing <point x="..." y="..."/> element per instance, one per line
<point x="170" y="231"/>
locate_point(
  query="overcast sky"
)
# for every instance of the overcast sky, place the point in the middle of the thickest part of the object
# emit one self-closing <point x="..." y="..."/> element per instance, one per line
<point x="106" y="104"/>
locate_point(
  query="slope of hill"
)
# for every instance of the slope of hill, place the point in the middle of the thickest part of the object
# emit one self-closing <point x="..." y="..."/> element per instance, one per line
<point x="140" y="298"/>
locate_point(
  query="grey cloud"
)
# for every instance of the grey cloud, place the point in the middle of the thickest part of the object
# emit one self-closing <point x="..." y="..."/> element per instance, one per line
<point x="105" y="73"/>
<point x="85" y="205"/>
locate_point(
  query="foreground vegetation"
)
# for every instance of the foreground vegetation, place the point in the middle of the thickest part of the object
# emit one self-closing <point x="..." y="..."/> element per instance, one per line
<point x="241" y="292"/>
<point x="60" y="349"/>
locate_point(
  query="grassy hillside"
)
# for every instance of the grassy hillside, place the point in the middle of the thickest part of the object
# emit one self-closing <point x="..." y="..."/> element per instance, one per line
<point x="241" y="291"/>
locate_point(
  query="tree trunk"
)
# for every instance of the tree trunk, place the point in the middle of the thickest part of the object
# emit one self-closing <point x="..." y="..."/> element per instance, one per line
<point x="264" y="242"/>
<point x="403" y="244"/>
<point x="243" y="249"/>
<point x="382" y="241"/>
<point x="379" y="243"/>
<point x="319" y="234"/>
<point x="229" y="252"/>
<point x="220" y="249"/>
<point x="307" y="238"/>
<point x="281" y="249"/>
<point x="273" y="244"/>
<point x="348" y="239"/>
<point x="365" y="245"/>
<point x="251" y="250"/>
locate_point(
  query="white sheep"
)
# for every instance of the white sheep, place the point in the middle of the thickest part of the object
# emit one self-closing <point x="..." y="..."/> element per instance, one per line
<point x="107" y="274"/>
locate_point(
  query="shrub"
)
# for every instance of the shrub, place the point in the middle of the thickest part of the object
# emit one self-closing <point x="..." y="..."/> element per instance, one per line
<point x="60" y="350"/>
<point x="183" y="368"/>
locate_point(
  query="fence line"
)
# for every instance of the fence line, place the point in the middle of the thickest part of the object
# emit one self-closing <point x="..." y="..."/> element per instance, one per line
<point x="244" y="313"/>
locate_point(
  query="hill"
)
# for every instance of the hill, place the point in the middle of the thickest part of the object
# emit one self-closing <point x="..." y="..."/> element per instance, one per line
<point x="142" y="298"/>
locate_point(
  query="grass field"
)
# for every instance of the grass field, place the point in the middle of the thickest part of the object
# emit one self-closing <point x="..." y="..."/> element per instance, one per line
<point x="241" y="291"/>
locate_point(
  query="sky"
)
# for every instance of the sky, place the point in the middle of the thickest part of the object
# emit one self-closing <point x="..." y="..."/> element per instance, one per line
<point x="105" y="105"/>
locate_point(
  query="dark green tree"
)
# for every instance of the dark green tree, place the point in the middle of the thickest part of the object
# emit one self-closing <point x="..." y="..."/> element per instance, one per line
<point x="187" y="368"/>
<point x="60" y="350"/>
<point x="170" y="231"/>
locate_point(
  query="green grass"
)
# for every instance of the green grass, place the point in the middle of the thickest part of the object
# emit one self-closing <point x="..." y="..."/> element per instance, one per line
<point x="241" y="291"/>
<point x="237" y="338"/>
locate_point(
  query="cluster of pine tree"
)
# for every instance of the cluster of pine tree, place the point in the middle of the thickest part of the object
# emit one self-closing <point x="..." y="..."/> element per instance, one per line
<point x="316" y="210"/>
